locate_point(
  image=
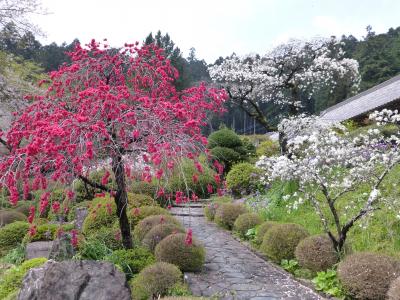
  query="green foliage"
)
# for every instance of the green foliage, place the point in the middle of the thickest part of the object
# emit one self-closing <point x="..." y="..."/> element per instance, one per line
<point x="158" y="233"/>
<point x="243" y="178"/>
<point x="137" y="200"/>
<point x="179" y="289"/>
<point x="110" y="236"/>
<point x="224" y="138"/>
<point x="210" y="210"/>
<point x="12" y="235"/>
<point x="15" y="256"/>
<point x="182" y="178"/>
<point x="290" y="265"/>
<point x="251" y="234"/>
<point x="85" y="192"/>
<point x="227" y="213"/>
<point x="174" y="249"/>
<point x="132" y="261"/>
<point x="245" y="222"/>
<point x="138" y="214"/>
<point x="316" y="253"/>
<point x="328" y="283"/>
<point x="262" y="229"/>
<point x="281" y="241"/>
<point x="99" y="214"/>
<point x="12" y="279"/>
<point x="23" y="207"/>
<point x="268" y="148"/>
<point x="145" y="225"/>
<point x="155" y="280"/>
<point x="366" y="275"/>
<point x="9" y="216"/>
<point x="142" y="187"/>
<point x="93" y="249"/>
<point x="394" y="290"/>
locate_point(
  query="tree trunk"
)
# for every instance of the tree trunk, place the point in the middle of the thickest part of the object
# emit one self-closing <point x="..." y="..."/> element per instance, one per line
<point x="121" y="200"/>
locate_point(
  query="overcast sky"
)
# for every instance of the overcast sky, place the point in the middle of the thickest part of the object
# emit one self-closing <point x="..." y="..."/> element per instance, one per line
<point x="214" y="27"/>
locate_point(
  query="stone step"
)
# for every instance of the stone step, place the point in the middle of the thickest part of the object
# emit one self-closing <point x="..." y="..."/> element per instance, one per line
<point x="188" y="215"/>
<point x="194" y="205"/>
<point x="187" y="211"/>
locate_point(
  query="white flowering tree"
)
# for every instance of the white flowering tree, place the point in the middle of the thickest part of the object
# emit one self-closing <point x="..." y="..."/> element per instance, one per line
<point x="286" y="75"/>
<point x="330" y="164"/>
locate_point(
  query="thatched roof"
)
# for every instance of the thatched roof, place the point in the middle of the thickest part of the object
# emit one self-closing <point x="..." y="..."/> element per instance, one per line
<point x="377" y="97"/>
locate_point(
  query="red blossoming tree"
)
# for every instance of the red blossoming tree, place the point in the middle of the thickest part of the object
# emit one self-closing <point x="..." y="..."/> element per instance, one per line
<point x="108" y="104"/>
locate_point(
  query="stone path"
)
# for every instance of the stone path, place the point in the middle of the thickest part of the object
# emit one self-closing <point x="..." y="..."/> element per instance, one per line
<point x="231" y="270"/>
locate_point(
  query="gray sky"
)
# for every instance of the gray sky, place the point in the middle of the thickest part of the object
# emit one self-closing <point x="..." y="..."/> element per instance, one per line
<point x="214" y="27"/>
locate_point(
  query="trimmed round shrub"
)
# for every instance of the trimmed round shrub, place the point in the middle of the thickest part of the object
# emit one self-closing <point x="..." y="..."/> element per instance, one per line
<point x="158" y="233"/>
<point x="394" y="290"/>
<point x="132" y="261"/>
<point x="11" y="235"/>
<point x="316" y="253"/>
<point x="144" y="226"/>
<point x="262" y="229"/>
<point x="175" y="250"/>
<point x="102" y="213"/>
<point x="268" y="148"/>
<point x="227" y="213"/>
<point x="243" y="178"/>
<point x="11" y="280"/>
<point x="110" y="236"/>
<point x="245" y="222"/>
<point x="9" y="216"/>
<point x="366" y="275"/>
<point x="210" y="210"/>
<point x="224" y="138"/>
<point x="281" y="240"/>
<point x="139" y="213"/>
<point x="137" y="200"/>
<point x="155" y="280"/>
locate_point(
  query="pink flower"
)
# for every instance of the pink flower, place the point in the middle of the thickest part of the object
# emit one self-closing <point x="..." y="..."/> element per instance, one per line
<point x="189" y="237"/>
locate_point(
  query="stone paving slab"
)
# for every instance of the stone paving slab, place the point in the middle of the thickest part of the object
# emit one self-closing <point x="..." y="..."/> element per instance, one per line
<point x="233" y="272"/>
<point x="187" y="211"/>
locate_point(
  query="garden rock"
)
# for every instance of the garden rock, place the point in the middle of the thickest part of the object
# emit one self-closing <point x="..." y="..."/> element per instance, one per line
<point x="62" y="248"/>
<point x="74" y="280"/>
<point x="80" y="213"/>
<point x="38" y="249"/>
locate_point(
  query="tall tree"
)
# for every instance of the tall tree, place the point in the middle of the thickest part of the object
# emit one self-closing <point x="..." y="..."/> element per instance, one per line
<point x="107" y="104"/>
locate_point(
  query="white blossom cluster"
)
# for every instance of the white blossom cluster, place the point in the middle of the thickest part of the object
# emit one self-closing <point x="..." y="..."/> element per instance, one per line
<point x="328" y="163"/>
<point x="386" y="116"/>
<point x="303" y="66"/>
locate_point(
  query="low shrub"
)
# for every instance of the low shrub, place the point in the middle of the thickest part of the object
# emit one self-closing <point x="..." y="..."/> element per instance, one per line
<point x="110" y="236"/>
<point x="144" y="226"/>
<point x="12" y="235"/>
<point x="135" y="215"/>
<point x="15" y="256"/>
<point x="12" y="279"/>
<point x="262" y="229"/>
<point x="281" y="240"/>
<point x="132" y="261"/>
<point x="394" y="290"/>
<point x="243" y="179"/>
<point x="366" y="275"/>
<point x="102" y="213"/>
<point x="227" y="213"/>
<point x="179" y="290"/>
<point x="175" y="250"/>
<point x="268" y="148"/>
<point x="9" y="216"/>
<point x="158" y="233"/>
<point x="93" y="250"/>
<point x="245" y="222"/>
<point x="155" y="280"/>
<point x="47" y="232"/>
<point x="138" y="200"/>
<point x="210" y="210"/>
<point x="316" y="253"/>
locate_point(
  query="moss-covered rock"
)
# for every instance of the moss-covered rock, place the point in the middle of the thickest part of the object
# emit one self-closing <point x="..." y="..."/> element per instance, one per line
<point x="10" y="216"/>
<point x="281" y="240"/>
<point x="316" y="253"/>
<point x="144" y="226"/>
<point x="175" y="250"/>
<point x="245" y="222"/>
<point x="367" y="276"/>
<point x="155" y="280"/>
<point x="227" y="213"/>
<point x="158" y="233"/>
